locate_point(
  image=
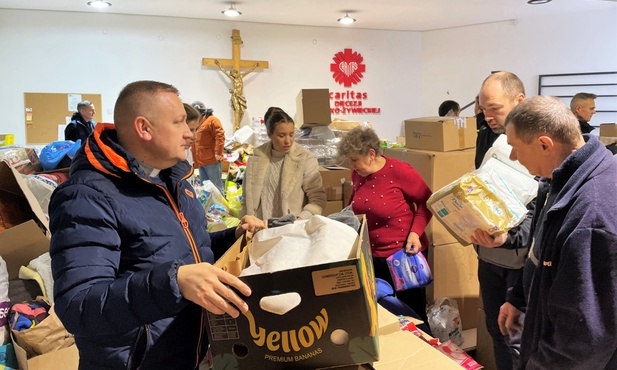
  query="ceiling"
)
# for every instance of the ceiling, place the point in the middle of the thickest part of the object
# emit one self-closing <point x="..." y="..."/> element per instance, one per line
<point x="402" y="15"/>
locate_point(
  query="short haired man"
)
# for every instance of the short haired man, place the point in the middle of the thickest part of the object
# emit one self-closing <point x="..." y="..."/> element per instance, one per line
<point x="501" y="258"/>
<point x="82" y="123"/>
<point x="583" y="105"/>
<point x="130" y="255"/>
<point x="571" y="319"/>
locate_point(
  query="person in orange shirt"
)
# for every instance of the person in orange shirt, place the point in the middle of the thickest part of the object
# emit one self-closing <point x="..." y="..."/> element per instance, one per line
<point x="207" y="149"/>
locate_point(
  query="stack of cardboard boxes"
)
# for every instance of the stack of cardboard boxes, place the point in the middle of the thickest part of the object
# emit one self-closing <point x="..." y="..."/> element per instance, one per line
<point x="337" y="182"/>
<point x="21" y="243"/>
<point x="608" y="133"/>
<point x="442" y="150"/>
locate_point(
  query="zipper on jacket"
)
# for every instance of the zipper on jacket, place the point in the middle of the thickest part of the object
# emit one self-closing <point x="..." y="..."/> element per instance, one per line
<point x="189" y="236"/>
<point x="144" y="330"/>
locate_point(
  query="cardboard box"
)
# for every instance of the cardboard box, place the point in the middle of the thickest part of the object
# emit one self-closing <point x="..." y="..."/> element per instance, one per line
<point x="333" y="179"/>
<point x="18" y="246"/>
<point x="455" y="275"/>
<point x="313" y="108"/>
<point x="332" y="206"/>
<point x="62" y="359"/>
<point x="336" y="298"/>
<point x="7" y="139"/>
<point x="27" y="240"/>
<point x="344" y="125"/>
<point x="438" y="169"/>
<point x="607" y="140"/>
<point x="403" y="350"/>
<point x="25" y="160"/>
<point x="441" y="134"/>
<point x="608" y="129"/>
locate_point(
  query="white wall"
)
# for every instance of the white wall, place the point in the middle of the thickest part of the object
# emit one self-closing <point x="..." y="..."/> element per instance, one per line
<point x="408" y="74"/>
<point x="100" y="53"/>
<point x="458" y="60"/>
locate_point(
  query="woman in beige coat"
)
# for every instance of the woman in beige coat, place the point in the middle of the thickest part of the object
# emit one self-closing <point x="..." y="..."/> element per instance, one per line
<point x="282" y="177"/>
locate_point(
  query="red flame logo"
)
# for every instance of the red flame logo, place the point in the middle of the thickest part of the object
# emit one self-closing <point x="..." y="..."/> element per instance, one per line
<point x="347" y="68"/>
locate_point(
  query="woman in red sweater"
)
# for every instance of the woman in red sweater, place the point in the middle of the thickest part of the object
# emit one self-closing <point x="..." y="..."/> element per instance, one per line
<point x="393" y="196"/>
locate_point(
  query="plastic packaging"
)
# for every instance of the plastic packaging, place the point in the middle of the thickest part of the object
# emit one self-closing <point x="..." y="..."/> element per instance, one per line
<point x="444" y="320"/>
<point x="409" y="270"/>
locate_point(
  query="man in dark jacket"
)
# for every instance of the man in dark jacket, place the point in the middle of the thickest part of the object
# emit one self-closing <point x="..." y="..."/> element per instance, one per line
<point x="571" y="320"/>
<point x="131" y="257"/>
<point x="583" y="105"/>
<point x="500" y="258"/>
<point x="82" y="124"/>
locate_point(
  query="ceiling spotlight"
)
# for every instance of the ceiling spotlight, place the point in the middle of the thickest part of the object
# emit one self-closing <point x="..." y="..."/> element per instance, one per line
<point x="538" y="2"/>
<point x="232" y="11"/>
<point x="346" y="19"/>
<point x="99" y="4"/>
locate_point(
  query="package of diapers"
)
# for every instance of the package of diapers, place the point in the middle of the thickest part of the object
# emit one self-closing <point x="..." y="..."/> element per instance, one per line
<point x="476" y="201"/>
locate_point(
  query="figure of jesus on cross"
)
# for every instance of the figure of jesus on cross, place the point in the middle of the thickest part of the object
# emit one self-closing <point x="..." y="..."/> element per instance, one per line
<point x="238" y="101"/>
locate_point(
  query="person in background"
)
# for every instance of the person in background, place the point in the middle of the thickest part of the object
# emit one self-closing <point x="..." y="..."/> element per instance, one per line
<point x="282" y="177"/>
<point x="393" y="196"/>
<point x="82" y="123"/>
<point x="130" y="255"/>
<point x="192" y="120"/>
<point x="449" y="108"/>
<point x="479" y="114"/>
<point x="571" y="293"/>
<point x="500" y="258"/>
<point x="583" y="105"/>
<point x="208" y="147"/>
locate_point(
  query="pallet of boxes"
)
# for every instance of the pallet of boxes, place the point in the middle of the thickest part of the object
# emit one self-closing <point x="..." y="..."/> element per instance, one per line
<point x="442" y="149"/>
<point x="33" y="337"/>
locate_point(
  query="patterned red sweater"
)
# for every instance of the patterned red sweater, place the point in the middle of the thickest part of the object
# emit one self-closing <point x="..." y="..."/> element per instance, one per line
<point x="394" y="202"/>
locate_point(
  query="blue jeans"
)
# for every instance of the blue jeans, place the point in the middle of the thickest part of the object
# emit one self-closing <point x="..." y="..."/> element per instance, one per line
<point x="214" y="173"/>
<point x="494" y="284"/>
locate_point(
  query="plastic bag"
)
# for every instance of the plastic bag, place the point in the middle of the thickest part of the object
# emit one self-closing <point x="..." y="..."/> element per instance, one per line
<point x="58" y="152"/>
<point x="233" y="193"/>
<point x="444" y="320"/>
<point x="409" y="270"/>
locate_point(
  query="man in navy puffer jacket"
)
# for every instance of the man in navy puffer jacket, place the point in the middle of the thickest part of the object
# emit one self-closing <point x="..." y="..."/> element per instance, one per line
<point x="131" y="257"/>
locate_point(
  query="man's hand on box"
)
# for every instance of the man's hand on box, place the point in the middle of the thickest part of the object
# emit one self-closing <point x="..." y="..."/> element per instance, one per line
<point x="481" y="237"/>
<point x="208" y="286"/>
<point x="250" y="223"/>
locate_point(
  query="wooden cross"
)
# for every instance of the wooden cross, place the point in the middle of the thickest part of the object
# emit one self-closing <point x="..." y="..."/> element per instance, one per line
<point x="235" y="74"/>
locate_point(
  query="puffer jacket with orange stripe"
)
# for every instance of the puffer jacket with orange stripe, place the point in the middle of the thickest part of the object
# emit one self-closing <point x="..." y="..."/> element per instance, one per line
<point x="118" y="239"/>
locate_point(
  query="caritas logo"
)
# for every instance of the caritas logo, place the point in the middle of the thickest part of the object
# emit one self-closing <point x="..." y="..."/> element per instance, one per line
<point x="347" y="68"/>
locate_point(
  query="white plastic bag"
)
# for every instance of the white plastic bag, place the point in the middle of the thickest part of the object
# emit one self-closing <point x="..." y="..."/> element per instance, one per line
<point x="444" y="320"/>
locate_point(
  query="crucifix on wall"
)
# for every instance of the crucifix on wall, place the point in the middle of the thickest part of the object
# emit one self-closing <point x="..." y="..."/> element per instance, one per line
<point x="235" y="74"/>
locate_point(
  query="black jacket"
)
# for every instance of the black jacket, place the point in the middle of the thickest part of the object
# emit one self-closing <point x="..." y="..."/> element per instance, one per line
<point x="78" y="128"/>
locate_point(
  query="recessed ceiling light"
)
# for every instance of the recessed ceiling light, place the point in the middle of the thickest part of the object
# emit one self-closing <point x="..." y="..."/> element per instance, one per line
<point x="538" y="2"/>
<point x="232" y="11"/>
<point x="99" y="4"/>
<point x="346" y="19"/>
